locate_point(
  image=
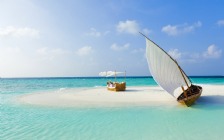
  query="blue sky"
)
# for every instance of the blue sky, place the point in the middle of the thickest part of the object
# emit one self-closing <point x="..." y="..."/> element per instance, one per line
<point x="85" y="37"/>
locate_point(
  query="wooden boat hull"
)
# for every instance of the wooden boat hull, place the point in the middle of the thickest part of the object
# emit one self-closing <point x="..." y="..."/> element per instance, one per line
<point x="117" y="86"/>
<point x="193" y="93"/>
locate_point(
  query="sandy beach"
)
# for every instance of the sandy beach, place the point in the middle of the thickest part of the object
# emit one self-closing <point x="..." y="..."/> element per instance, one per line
<point x="101" y="97"/>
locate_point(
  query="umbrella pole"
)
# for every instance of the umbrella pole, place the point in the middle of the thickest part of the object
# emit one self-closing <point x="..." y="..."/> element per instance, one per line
<point x="115" y="75"/>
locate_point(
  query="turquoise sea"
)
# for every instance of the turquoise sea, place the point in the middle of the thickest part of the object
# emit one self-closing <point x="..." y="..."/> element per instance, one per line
<point x="23" y="122"/>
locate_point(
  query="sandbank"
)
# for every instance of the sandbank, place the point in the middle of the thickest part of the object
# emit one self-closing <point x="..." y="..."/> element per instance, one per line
<point x="101" y="97"/>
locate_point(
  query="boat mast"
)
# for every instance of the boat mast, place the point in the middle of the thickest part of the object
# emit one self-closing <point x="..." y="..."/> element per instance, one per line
<point x="115" y="75"/>
<point x="125" y="76"/>
<point x="181" y="71"/>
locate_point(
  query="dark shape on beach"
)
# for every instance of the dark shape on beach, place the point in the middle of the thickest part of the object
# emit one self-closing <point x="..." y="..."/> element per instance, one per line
<point x="211" y="100"/>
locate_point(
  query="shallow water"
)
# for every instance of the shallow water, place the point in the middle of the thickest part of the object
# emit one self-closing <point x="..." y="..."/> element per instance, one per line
<point x="203" y="121"/>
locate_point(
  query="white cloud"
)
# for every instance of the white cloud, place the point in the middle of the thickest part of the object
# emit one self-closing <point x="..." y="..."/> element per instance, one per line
<point x="51" y="53"/>
<point x="42" y="51"/>
<point x="146" y="31"/>
<point x="174" y="30"/>
<point x="128" y="26"/>
<point x="131" y="27"/>
<point x="116" y="47"/>
<point x="48" y="51"/>
<point x="175" y="53"/>
<point x="221" y="22"/>
<point x="140" y="50"/>
<point x="212" y="52"/>
<point x="170" y="30"/>
<point x="9" y="53"/>
<point x="18" y="32"/>
<point x="86" y="50"/>
<point x="93" y="32"/>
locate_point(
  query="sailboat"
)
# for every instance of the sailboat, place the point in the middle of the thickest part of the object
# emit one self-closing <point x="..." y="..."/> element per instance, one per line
<point x="169" y="75"/>
<point x="114" y="86"/>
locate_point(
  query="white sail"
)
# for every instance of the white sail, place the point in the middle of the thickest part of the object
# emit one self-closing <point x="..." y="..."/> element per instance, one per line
<point x="164" y="69"/>
<point x="110" y="73"/>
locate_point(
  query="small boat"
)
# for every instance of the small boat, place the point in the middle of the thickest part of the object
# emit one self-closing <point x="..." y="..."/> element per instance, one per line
<point x="169" y="75"/>
<point x="114" y="86"/>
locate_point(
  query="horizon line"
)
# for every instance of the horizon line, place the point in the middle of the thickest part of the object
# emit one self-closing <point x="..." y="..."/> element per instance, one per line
<point x="55" y="77"/>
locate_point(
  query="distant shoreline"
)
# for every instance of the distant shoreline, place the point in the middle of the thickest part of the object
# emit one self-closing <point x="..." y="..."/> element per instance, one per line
<point x="98" y="77"/>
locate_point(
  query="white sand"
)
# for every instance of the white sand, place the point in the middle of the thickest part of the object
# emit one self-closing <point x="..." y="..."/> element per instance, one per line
<point x="101" y="97"/>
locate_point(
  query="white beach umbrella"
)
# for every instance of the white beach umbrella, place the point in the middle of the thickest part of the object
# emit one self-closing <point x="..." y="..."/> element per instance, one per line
<point x="109" y="73"/>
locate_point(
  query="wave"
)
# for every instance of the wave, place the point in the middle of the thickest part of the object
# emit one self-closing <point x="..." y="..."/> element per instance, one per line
<point x="62" y="89"/>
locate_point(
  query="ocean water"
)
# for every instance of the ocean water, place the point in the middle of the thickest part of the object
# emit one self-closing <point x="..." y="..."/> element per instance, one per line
<point x="18" y="122"/>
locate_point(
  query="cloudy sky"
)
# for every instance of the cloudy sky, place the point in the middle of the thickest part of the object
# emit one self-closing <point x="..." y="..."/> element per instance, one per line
<point x="41" y="38"/>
